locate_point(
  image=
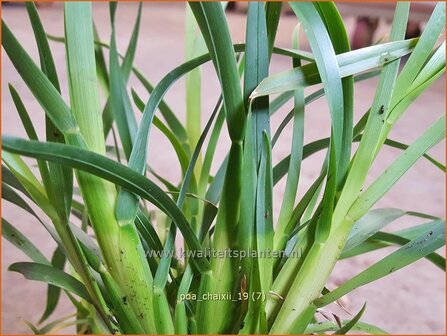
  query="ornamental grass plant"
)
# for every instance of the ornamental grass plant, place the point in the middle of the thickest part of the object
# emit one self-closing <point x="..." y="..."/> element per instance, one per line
<point x="245" y="269"/>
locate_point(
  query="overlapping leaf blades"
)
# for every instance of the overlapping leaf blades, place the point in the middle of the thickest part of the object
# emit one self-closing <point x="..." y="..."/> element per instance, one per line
<point x="121" y="286"/>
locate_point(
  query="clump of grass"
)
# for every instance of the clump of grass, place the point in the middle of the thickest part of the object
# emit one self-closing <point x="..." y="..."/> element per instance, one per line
<point x="126" y="279"/>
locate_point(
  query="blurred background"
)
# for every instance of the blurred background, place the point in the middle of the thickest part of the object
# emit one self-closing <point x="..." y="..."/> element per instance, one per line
<point x="411" y="301"/>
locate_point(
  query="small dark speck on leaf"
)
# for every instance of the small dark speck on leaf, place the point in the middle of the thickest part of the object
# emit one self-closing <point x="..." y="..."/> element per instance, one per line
<point x="430" y="233"/>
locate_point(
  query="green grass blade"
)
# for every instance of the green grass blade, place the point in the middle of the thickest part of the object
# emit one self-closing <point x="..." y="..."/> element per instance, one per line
<point x="101" y="68"/>
<point x="194" y="46"/>
<point x="328" y="68"/>
<point x="298" y="211"/>
<point x="280" y="169"/>
<point x="148" y="232"/>
<point x="247" y="230"/>
<point x="129" y="57"/>
<point x="418" y="248"/>
<point x="417" y="59"/>
<point x="256" y="69"/>
<point x="10" y="195"/>
<point x="309" y="99"/>
<point x="46" y="58"/>
<point x="272" y="16"/>
<point x="256" y="218"/>
<point x="53" y="292"/>
<point x="9" y="178"/>
<point x="391" y="238"/>
<point x="161" y="305"/>
<point x="119" y="100"/>
<point x="24" y="115"/>
<point x="363" y="158"/>
<point x="212" y="23"/>
<point x="170" y="135"/>
<point x="214" y="28"/>
<point x="39" y="84"/>
<point x="27" y="179"/>
<point x="210" y="151"/>
<point x="381" y="185"/>
<point x="400" y="145"/>
<point x="15" y="237"/>
<point x="127" y="203"/>
<point x="31" y="132"/>
<point x="296" y="157"/>
<point x="339" y="37"/>
<point x="51" y="275"/>
<point x="108" y="169"/>
<point x="61" y="182"/>
<point x="433" y="69"/>
<point x="370" y="223"/>
<point x="264" y="223"/>
<point x="401" y="237"/>
<point x="126" y="68"/>
<point x="350" y="63"/>
<point x="172" y="121"/>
